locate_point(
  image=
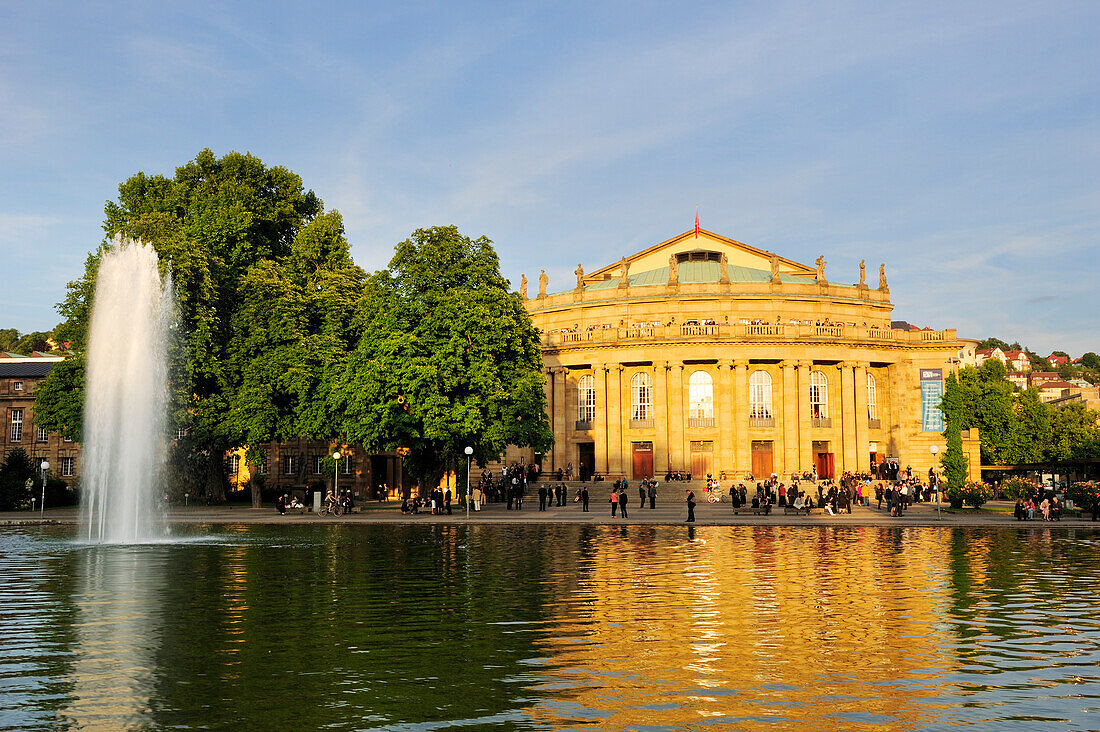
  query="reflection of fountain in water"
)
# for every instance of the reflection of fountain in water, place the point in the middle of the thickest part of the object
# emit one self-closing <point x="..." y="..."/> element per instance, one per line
<point x="126" y="395"/>
<point x="120" y="593"/>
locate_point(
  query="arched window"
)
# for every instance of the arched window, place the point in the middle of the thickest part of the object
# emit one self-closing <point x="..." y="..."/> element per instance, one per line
<point x="586" y="399"/>
<point x="641" y="396"/>
<point x="760" y="395"/>
<point x="872" y="398"/>
<point x="700" y="395"/>
<point x="819" y="395"/>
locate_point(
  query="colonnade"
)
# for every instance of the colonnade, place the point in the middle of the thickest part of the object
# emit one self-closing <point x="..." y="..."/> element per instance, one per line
<point x="789" y="436"/>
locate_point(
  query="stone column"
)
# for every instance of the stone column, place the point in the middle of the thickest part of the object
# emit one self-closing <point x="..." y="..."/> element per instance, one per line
<point x="660" y="417"/>
<point x="789" y="415"/>
<point x="676" y="416"/>
<point x="863" y="441"/>
<point x="599" y="425"/>
<point x="743" y="446"/>
<point x="548" y="390"/>
<point x="614" y="420"/>
<point x="805" y="444"/>
<point x="561" y="430"/>
<point x="725" y="454"/>
<point x="848" y="414"/>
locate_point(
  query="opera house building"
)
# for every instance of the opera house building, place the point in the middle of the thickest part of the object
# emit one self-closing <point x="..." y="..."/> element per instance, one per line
<point x="708" y="356"/>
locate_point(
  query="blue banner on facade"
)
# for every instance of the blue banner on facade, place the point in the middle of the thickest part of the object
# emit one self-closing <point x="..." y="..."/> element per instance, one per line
<point x="931" y="392"/>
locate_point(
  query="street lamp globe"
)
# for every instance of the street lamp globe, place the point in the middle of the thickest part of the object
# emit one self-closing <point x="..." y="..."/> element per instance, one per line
<point x="45" y="465"/>
<point x="336" y="455"/>
<point x="469" y="450"/>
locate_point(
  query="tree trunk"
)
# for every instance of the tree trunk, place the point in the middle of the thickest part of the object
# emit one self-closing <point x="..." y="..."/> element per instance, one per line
<point x="215" y="477"/>
<point x="257" y="499"/>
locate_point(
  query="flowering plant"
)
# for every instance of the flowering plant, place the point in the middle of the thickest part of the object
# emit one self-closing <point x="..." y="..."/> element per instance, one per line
<point x="1020" y="489"/>
<point x="1085" y="495"/>
<point x="974" y="493"/>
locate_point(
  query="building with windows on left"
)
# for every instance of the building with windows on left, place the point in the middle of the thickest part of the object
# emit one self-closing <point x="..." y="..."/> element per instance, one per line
<point x="19" y="378"/>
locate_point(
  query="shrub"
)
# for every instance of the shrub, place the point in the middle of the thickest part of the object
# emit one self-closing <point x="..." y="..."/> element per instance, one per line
<point x="1020" y="489"/>
<point x="1084" y="495"/>
<point x="972" y="494"/>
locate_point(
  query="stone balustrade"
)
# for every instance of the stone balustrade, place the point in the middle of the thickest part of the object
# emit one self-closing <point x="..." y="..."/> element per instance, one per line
<point x="748" y="332"/>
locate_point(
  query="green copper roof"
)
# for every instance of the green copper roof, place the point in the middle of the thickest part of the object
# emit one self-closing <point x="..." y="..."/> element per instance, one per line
<point x="698" y="273"/>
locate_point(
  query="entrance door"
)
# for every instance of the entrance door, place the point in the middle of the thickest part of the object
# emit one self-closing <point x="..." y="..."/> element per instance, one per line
<point x="701" y="465"/>
<point x="824" y="463"/>
<point x="586" y="459"/>
<point x="761" y="458"/>
<point x="643" y="460"/>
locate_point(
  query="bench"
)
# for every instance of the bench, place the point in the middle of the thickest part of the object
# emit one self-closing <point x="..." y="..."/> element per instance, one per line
<point x="749" y="509"/>
<point x="788" y="510"/>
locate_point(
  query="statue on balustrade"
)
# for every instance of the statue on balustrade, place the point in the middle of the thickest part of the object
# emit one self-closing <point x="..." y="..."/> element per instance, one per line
<point x="882" y="278"/>
<point x="579" y="271"/>
<point x="820" y="262"/>
<point x="862" y="273"/>
<point x="624" y="273"/>
<point x="543" y="282"/>
<point x="775" y="269"/>
<point x="523" y="287"/>
<point x="673" y="270"/>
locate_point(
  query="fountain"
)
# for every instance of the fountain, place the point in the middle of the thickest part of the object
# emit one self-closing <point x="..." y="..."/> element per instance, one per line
<point x="126" y="396"/>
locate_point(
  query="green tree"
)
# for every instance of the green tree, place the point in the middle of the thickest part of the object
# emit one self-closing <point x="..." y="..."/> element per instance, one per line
<point x="448" y="358"/>
<point x="294" y="333"/>
<point x="954" y="403"/>
<point x="210" y="223"/>
<point x="1091" y="361"/>
<point x="1066" y="372"/>
<point x="1073" y="430"/>
<point x="59" y="399"/>
<point x="8" y="338"/>
<point x="994" y="343"/>
<point x="16" y="469"/>
<point x="36" y="341"/>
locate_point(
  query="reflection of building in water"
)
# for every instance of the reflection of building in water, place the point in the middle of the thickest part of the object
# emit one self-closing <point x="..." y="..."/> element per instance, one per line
<point x="746" y="627"/>
<point x="706" y="355"/>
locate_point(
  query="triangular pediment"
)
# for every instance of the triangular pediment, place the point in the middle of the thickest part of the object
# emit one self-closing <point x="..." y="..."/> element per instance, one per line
<point x="738" y="254"/>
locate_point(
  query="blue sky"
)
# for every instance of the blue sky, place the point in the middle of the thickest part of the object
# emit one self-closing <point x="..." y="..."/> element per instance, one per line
<point x="957" y="142"/>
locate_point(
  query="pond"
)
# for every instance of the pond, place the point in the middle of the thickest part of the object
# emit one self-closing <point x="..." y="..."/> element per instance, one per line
<point x="415" y="627"/>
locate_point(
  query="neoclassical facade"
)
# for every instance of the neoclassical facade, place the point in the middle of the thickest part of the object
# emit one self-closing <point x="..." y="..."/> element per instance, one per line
<point x="706" y="355"/>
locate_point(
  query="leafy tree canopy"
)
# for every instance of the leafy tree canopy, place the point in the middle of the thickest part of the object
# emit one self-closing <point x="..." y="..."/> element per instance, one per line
<point x="1091" y="361"/>
<point x="448" y="358"/>
<point x="210" y="223"/>
<point x="998" y="343"/>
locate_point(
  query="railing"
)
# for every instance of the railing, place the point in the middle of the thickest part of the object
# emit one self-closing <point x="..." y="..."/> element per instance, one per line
<point x="822" y="421"/>
<point x="749" y="331"/>
<point x="582" y="424"/>
<point x="698" y="330"/>
<point x="761" y="421"/>
<point x="641" y="424"/>
<point x="874" y="424"/>
<point x="700" y="422"/>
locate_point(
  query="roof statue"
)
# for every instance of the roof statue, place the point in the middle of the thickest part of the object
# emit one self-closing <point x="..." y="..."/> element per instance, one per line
<point x="624" y="273"/>
<point x="523" y="287"/>
<point x="673" y="271"/>
<point x="543" y="282"/>
<point x="579" y="271"/>
<point x="862" y="273"/>
<point x="775" y="268"/>
<point x="820" y="262"/>
<point x="882" y="279"/>
<point x="724" y="270"/>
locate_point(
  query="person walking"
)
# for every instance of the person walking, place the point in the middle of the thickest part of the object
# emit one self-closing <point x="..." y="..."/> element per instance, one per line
<point x="691" y="507"/>
<point x="624" y="498"/>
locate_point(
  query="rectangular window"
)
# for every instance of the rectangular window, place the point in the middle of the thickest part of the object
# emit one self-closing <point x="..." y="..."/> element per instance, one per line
<point x="42" y="435"/>
<point x="288" y="465"/>
<point x="17" y="425"/>
<point x="234" y="465"/>
<point x="347" y="466"/>
<point x="17" y="386"/>
<point x="181" y="433"/>
<point x="317" y="464"/>
<point x="263" y="463"/>
<point x="68" y="466"/>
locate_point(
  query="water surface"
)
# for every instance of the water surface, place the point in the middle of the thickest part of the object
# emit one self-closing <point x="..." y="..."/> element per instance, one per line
<point x="549" y="627"/>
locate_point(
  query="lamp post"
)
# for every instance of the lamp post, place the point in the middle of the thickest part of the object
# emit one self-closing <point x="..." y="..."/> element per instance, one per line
<point x="42" y="508"/>
<point x="934" y="449"/>
<point x="469" y="493"/>
<point x="336" y="475"/>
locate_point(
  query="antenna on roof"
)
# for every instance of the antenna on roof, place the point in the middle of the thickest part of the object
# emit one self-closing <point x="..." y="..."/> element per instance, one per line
<point x="696" y="221"/>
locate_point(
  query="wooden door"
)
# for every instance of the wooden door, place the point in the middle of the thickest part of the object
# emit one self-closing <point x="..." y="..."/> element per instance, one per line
<point x="824" y="463"/>
<point x="701" y="465"/>
<point x="586" y="459"/>
<point x="761" y="459"/>
<point x="643" y="460"/>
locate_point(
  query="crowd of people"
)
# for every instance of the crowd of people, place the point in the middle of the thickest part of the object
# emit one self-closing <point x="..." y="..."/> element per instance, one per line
<point x="1049" y="508"/>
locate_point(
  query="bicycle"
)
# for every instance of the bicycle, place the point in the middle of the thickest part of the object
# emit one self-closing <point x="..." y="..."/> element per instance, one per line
<point x="330" y="509"/>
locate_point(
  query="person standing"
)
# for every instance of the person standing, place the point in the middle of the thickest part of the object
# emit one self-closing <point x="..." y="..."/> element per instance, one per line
<point x="652" y="495"/>
<point x="691" y="507"/>
<point x="584" y="499"/>
<point x="614" y="500"/>
<point x="642" y="491"/>
<point x="624" y="498"/>
<point x="542" y="497"/>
